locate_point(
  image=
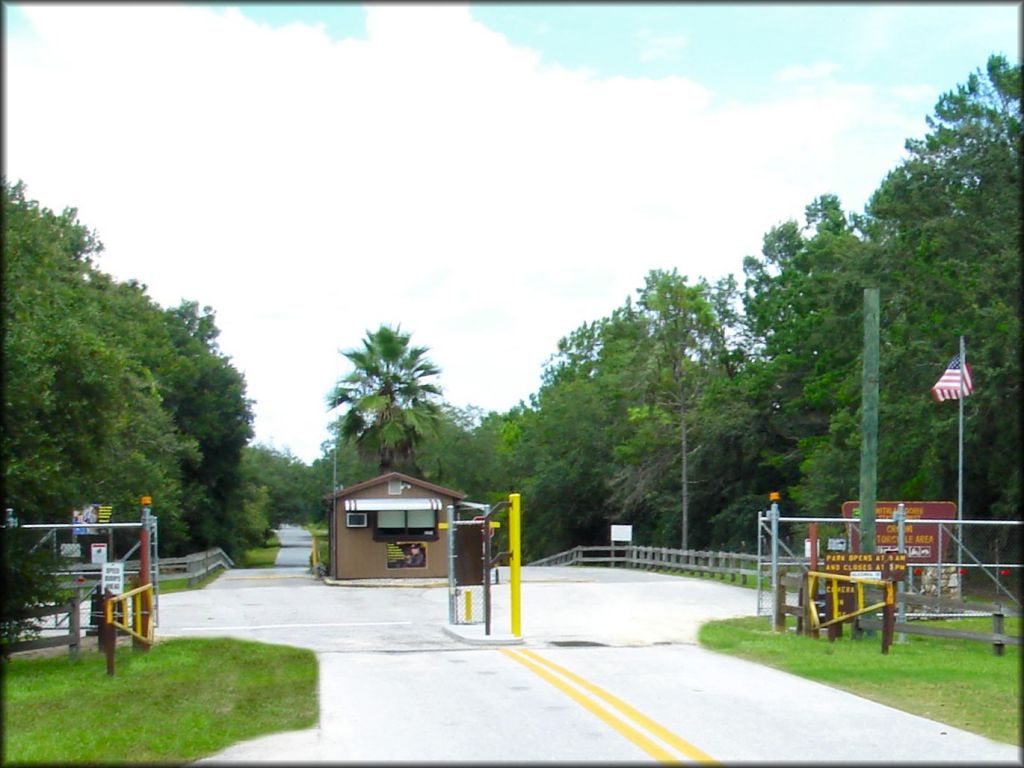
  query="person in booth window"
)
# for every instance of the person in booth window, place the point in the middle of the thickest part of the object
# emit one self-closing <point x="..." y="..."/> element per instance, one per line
<point x="416" y="558"/>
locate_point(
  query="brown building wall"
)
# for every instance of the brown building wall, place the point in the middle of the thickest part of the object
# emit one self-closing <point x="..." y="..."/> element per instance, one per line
<point x="360" y="557"/>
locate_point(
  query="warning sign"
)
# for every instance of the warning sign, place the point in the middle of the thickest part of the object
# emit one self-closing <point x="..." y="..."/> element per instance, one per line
<point x="113" y="578"/>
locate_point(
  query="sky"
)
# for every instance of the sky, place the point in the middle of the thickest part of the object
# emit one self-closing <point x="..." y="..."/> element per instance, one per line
<point x="488" y="177"/>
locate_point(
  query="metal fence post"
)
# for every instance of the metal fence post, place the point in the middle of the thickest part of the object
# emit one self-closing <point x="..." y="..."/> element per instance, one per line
<point x="773" y="515"/>
<point x="451" y="565"/>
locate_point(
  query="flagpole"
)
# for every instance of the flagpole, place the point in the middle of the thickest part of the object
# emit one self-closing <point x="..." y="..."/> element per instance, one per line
<point x="960" y="472"/>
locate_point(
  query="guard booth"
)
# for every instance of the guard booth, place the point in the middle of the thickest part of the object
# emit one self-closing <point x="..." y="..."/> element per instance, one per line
<point x="389" y="527"/>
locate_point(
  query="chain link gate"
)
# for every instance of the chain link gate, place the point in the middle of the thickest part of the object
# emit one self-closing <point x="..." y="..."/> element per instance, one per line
<point x="466" y="552"/>
<point x="972" y="555"/>
<point x="72" y="543"/>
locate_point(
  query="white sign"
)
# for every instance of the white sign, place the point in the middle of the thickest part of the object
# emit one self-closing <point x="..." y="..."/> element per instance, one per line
<point x="837" y="545"/>
<point x="622" y="533"/>
<point x="99" y="553"/>
<point x="113" y="578"/>
<point x="865" y="574"/>
<point x="70" y="550"/>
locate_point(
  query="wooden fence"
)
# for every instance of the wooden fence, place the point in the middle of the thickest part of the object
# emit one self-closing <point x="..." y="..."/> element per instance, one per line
<point x="795" y="582"/>
<point x="73" y="638"/>
<point x="194" y="567"/>
<point x="727" y="566"/>
<point x="84" y="579"/>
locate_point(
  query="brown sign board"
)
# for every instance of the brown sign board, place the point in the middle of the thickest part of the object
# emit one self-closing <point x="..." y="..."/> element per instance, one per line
<point x="878" y="565"/>
<point x="920" y="540"/>
<point x="888" y="565"/>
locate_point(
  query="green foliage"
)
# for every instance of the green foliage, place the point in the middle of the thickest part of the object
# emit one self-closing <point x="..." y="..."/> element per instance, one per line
<point x="28" y="580"/>
<point x="281" y="485"/>
<point x="108" y="397"/>
<point x="758" y="389"/>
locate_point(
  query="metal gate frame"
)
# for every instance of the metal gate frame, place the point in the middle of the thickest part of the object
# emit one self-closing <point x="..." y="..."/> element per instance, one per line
<point x="458" y="593"/>
<point x="154" y="560"/>
<point x="768" y="528"/>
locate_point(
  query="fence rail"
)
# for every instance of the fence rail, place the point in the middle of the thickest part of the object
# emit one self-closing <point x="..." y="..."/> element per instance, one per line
<point x="73" y="638"/>
<point x="194" y="567"/>
<point x="796" y="583"/>
<point x="731" y="566"/>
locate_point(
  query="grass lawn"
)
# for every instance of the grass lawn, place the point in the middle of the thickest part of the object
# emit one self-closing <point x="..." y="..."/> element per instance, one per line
<point x="260" y="557"/>
<point x="185" y="699"/>
<point x="957" y="682"/>
<point x="180" y="585"/>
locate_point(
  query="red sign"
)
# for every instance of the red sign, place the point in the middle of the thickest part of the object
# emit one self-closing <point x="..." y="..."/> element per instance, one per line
<point x="920" y="540"/>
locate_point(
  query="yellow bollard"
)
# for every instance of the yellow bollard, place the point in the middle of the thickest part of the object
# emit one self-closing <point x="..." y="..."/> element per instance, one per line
<point x="469" y="606"/>
<point x="515" y="561"/>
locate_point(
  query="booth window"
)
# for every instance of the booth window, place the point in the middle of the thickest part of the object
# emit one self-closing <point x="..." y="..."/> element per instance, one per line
<point x="402" y="523"/>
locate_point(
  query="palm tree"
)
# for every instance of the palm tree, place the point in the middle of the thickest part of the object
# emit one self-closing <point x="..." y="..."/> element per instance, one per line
<point x="391" y="407"/>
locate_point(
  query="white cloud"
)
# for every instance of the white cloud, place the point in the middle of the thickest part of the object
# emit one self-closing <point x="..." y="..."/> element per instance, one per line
<point x="658" y="47"/>
<point x="432" y="174"/>
<point x="816" y="71"/>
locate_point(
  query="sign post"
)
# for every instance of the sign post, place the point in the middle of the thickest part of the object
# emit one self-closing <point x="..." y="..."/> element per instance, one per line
<point x="620" y="533"/>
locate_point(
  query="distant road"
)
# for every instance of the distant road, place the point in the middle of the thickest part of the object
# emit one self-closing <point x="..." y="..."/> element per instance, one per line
<point x="296" y="544"/>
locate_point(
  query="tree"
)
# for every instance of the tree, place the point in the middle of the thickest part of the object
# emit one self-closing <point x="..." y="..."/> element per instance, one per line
<point x="108" y="397"/>
<point x="391" y="406"/>
<point x="680" y="326"/>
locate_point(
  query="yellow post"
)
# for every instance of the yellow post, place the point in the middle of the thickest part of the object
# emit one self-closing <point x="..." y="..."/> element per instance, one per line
<point x="515" y="562"/>
<point x="469" y="605"/>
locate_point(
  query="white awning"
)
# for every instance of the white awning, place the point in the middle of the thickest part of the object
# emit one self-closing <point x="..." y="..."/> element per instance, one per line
<point x="378" y="505"/>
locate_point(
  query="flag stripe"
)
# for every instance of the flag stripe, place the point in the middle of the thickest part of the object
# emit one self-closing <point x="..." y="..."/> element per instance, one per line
<point x="948" y="385"/>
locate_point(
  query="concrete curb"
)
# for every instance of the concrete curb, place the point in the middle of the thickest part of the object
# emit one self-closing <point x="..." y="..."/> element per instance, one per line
<point x="390" y="583"/>
<point x="474" y="635"/>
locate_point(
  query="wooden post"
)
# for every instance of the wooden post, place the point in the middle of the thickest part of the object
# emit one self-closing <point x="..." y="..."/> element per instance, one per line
<point x="75" y="622"/>
<point x="108" y="633"/>
<point x="998" y="646"/>
<point x="802" y="621"/>
<point x="835" y="631"/>
<point x="780" y="603"/>
<point x="888" y="625"/>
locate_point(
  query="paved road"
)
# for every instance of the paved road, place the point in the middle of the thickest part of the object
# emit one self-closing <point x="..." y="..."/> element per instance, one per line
<point x="296" y="544"/>
<point x="609" y="671"/>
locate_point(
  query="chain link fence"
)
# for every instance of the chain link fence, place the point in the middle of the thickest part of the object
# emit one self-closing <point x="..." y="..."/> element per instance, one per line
<point x="961" y="559"/>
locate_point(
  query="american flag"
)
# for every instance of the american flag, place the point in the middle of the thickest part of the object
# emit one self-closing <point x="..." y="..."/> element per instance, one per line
<point x="948" y="385"/>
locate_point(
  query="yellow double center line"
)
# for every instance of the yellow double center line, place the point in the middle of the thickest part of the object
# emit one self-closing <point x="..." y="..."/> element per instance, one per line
<point x="545" y="669"/>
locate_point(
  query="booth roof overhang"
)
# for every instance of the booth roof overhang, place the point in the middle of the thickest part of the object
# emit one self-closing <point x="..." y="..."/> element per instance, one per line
<point x="381" y="505"/>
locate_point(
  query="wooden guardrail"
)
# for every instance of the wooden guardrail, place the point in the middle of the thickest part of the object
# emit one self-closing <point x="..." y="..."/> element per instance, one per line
<point x="197" y="566"/>
<point x="194" y="567"/>
<point x="731" y="566"/>
<point x="997" y="637"/>
<point x="73" y="638"/>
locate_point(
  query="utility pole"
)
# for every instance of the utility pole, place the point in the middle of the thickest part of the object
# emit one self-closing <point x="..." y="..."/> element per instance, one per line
<point x="869" y="422"/>
<point x="685" y="477"/>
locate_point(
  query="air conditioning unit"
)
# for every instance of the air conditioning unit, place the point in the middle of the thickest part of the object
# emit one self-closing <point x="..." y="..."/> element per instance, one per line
<point x="355" y="519"/>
